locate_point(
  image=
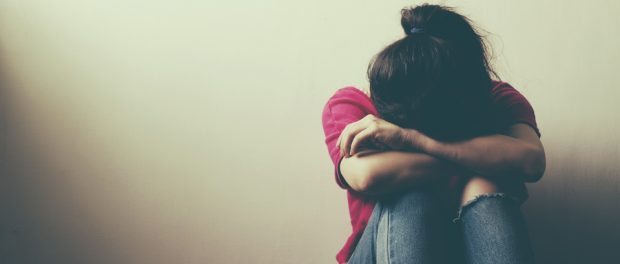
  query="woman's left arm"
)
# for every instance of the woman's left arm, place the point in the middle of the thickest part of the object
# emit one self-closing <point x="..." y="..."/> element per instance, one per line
<point x="516" y="153"/>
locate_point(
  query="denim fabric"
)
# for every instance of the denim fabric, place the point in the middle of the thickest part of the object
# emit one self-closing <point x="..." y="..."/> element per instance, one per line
<point x="495" y="231"/>
<point x="417" y="227"/>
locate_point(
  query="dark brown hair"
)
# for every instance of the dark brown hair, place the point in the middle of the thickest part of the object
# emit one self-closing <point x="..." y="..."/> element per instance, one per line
<point x="436" y="79"/>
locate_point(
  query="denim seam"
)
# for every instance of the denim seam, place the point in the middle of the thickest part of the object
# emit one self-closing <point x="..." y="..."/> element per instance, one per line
<point x="477" y="198"/>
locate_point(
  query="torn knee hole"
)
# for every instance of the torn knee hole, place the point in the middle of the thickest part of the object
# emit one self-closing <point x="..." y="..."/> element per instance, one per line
<point x="475" y="199"/>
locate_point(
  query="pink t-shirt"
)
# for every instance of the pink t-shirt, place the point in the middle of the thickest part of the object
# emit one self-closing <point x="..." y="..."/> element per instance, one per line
<point x="349" y="104"/>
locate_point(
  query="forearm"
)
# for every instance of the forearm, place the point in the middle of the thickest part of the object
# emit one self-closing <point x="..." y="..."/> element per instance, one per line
<point x="490" y="156"/>
<point x="381" y="173"/>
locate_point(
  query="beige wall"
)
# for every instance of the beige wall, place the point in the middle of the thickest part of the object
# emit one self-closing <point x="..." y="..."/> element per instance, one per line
<point x="137" y="131"/>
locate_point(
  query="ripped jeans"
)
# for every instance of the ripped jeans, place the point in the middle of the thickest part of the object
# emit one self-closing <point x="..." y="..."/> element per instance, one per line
<point x="417" y="227"/>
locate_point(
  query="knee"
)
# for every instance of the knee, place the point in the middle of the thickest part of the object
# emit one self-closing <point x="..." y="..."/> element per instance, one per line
<point x="475" y="187"/>
<point x="484" y="197"/>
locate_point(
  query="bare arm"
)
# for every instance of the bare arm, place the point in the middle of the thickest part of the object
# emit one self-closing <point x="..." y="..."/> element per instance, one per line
<point x="377" y="173"/>
<point x="516" y="153"/>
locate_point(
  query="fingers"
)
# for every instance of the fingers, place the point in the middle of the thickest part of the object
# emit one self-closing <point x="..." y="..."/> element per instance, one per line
<point x="362" y="136"/>
<point x="348" y="135"/>
<point x="349" y="132"/>
<point x="338" y="144"/>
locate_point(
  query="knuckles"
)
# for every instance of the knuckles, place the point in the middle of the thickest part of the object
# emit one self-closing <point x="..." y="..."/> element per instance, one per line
<point x="371" y="117"/>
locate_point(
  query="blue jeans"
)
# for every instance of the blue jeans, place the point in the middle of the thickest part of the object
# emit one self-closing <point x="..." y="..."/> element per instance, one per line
<point x="417" y="227"/>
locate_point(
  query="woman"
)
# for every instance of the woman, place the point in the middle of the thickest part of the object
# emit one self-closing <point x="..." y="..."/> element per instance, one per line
<point x="435" y="155"/>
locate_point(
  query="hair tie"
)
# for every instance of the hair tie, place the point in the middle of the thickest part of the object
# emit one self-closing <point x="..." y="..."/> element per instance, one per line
<point x="414" y="30"/>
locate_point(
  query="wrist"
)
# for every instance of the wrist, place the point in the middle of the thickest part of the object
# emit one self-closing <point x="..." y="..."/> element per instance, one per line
<point x="417" y="140"/>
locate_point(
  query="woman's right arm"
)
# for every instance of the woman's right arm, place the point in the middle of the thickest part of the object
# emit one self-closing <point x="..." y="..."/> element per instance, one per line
<point x="377" y="173"/>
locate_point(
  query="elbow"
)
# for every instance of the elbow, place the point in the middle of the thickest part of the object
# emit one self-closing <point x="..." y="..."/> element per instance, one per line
<point x="534" y="164"/>
<point x="358" y="175"/>
<point x="371" y="182"/>
<point x="363" y="182"/>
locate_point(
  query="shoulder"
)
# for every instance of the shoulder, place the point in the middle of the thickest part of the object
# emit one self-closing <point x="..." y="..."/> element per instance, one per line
<point x="351" y="92"/>
<point x="350" y="98"/>
<point x="503" y="88"/>
<point x="346" y="105"/>
<point x="505" y="95"/>
<point x="512" y="106"/>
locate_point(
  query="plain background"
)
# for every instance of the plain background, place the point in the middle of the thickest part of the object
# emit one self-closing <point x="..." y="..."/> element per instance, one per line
<point x="163" y="131"/>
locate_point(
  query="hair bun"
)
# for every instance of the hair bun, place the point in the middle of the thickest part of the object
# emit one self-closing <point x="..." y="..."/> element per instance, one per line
<point x="407" y="19"/>
<point x="416" y="17"/>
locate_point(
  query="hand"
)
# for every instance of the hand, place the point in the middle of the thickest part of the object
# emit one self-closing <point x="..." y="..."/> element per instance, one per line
<point x="374" y="132"/>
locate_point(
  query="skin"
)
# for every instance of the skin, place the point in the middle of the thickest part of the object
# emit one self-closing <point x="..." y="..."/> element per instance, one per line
<point x="381" y="158"/>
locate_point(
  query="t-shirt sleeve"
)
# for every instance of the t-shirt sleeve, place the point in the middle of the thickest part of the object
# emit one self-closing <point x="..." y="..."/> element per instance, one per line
<point x="513" y="106"/>
<point x="346" y="106"/>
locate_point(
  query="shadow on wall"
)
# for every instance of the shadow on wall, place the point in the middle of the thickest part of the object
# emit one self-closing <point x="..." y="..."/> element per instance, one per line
<point x="43" y="218"/>
<point x="575" y="222"/>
